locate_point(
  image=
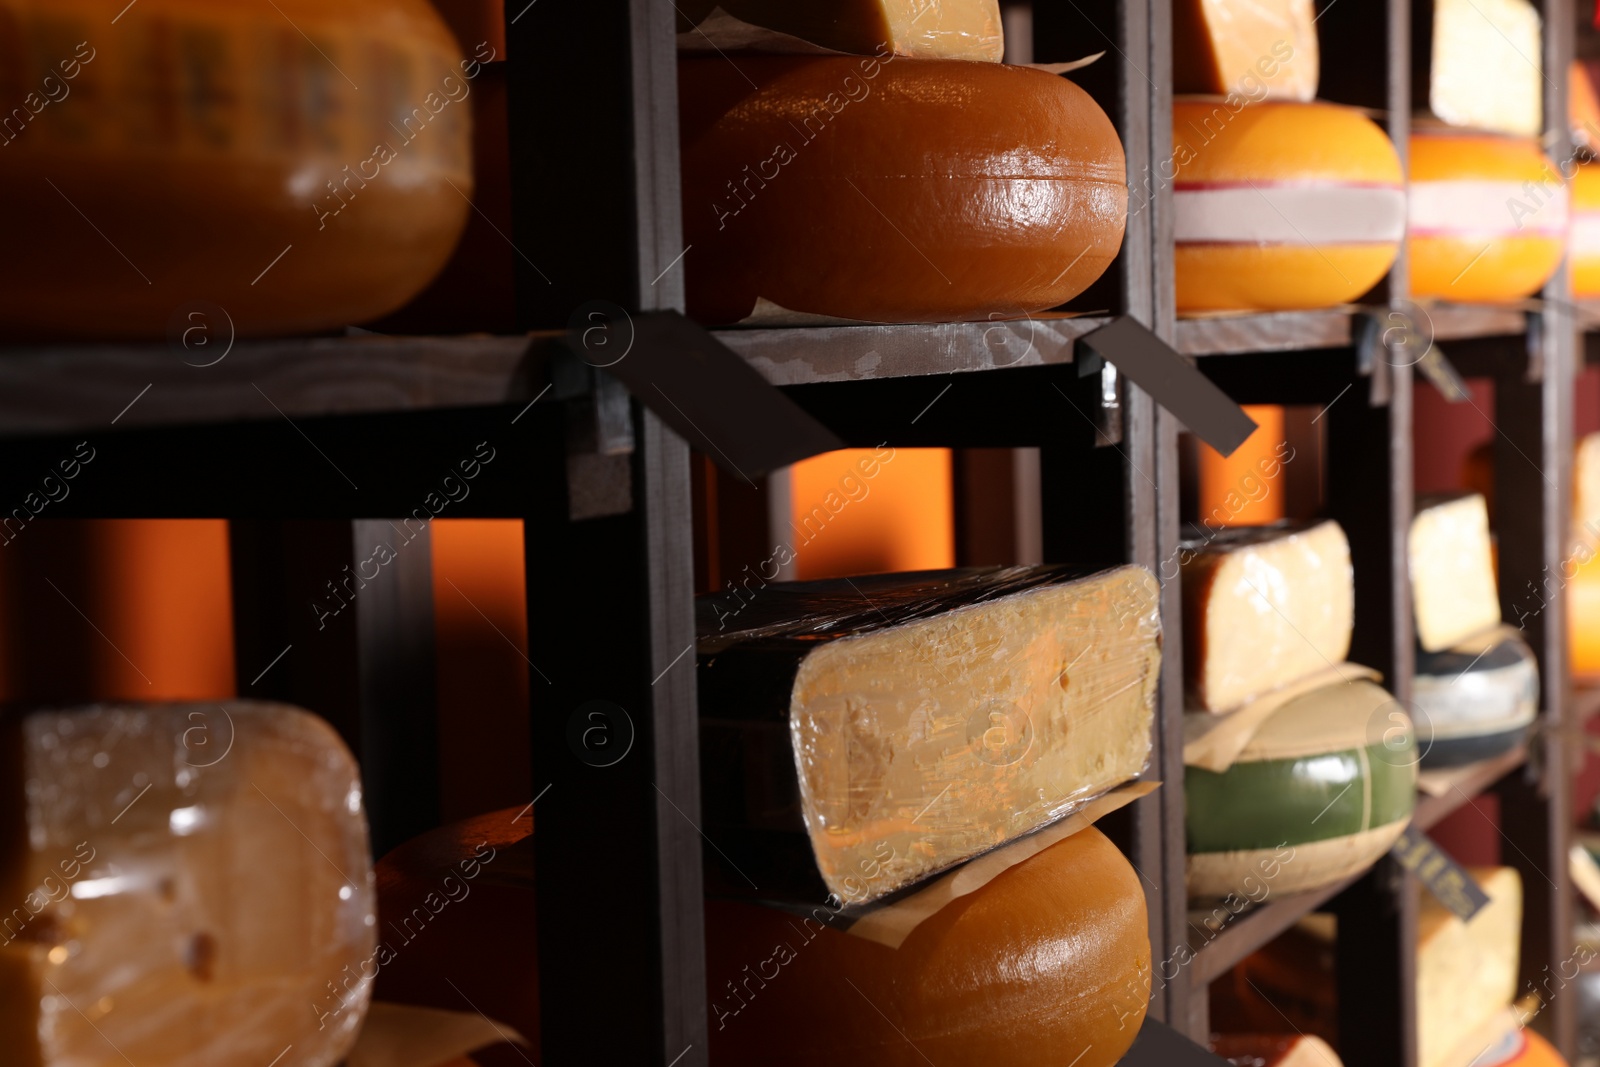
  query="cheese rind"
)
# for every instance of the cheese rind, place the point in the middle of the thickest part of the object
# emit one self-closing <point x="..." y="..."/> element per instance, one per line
<point x="919" y="29"/>
<point x="1262" y="608"/>
<point x="1260" y="49"/>
<point x="1452" y="571"/>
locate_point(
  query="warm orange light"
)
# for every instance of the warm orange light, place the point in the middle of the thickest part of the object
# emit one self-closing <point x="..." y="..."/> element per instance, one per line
<point x="1242" y="490"/>
<point x="871" y="511"/>
<point x="1584" y="637"/>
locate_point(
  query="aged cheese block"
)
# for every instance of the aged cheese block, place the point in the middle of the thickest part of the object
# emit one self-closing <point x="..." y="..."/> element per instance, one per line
<point x="1480" y="232"/>
<point x="890" y="190"/>
<point x="274" y="168"/>
<point x="1321" y="791"/>
<point x="1263" y="607"/>
<point x="1452" y="571"/>
<point x="943" y="29"/>
<point x="1476" y="700"/>
<point x="1583" y="247"/>
<point x="185" y="885"/>
<point x="1274" y="1050"/>
<point x="1466" y="972"/>
<point x="860" y="735"/>
<point x="1281" y="205"/>
<point x="1259" y="50"/>
<point x="1482" y="67"/>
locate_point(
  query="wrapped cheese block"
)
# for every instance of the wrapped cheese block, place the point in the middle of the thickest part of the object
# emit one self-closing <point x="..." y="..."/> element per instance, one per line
<point x="1274" y="1050"/>
<point x="1480" y="65"/>
<point x="1583" y="241"/>
<point x="1259" y="50"/>
<point x="1263" y="606"/>
<point x="1452" y="571"/>
<point x="944" y="29"/>
<point x="1488" y="217"/>
<point x="278" y="168"/>
<point x="858" y="736"/>
<point x="893" y="191"/>
<point x="189" y="886"/>
<point x="1476" y="700"/>
<point x="1322" y="790"/>
<point x="1281" y="205"/>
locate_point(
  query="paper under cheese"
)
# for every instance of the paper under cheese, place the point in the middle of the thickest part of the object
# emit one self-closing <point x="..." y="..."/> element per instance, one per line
<point x="1452" y="571"/>
<point x="859" y="736"/>
<point x="1485" y="65"/>
<point x="1264" y="607"/>
<point x="920" y="29"/>
<point x="1260" y="49"/>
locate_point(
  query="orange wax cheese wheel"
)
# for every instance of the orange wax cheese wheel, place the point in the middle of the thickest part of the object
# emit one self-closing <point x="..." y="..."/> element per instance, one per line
<point x="1281" y="206"/>
<point x="1584" y="239"/>
<point x="288" y="165"/>
<point x="893" y="190"/>
<point x="1048" y="963"/>
<point x="1258" y="49"/>
<point x="1488" y="217"/>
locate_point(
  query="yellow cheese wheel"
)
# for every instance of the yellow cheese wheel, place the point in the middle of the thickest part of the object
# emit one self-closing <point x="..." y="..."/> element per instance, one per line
<point x="1048" y="963"/>
<point x="1488" y="217"/>
<point x="1583" y="247"/>
<point x="893" y="190"/>
<point x="1280" y="205"/>
<point x="289" y="163"/>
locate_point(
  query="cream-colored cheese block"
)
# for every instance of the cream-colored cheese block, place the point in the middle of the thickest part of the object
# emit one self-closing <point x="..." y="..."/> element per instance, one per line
<point x="1486" y="65"/>
<point x="1260" y="49"/>
<point x="1466" y="972"/>
<point x="1452" y="571"/>
<point x="921" y="29"/>
<point x="1262" y="608"/>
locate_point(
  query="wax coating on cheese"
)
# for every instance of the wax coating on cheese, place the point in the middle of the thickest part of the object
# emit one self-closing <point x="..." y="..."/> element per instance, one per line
<point x="1452" y="571"/>
<point x="1259" y="49"/>
<point x="918" y="29"/>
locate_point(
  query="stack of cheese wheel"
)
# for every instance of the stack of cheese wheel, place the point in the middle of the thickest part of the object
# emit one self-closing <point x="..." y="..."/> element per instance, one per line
<point x="1281" y="205"/>
<point x="1488" y="217"/>
<point x="225" y="156"/>
<point x="1583" y="245"/>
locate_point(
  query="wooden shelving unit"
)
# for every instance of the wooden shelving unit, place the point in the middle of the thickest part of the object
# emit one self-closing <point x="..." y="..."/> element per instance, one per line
<point x="308" y="443"/>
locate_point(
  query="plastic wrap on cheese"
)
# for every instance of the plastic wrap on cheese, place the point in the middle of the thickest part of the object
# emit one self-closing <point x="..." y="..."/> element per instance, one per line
<point x="920" y="29"/>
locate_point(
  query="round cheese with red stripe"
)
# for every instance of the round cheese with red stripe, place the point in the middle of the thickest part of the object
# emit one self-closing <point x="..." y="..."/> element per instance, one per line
<point x="1583" y="242"/>
<point x="1488" y="217"/>
<point x="1281" y="205"/>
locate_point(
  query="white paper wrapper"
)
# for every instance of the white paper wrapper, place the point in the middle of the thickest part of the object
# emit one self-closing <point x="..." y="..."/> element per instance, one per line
<point x="398" y="1035"/>
<point x="1213" y="741"/>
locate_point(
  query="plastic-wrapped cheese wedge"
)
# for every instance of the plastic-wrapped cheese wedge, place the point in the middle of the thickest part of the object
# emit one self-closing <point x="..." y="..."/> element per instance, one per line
<point x="1452" y="571"/>
<point x="1476" y="700"/>
<point x="1483" y="65"/>
<point x="1048" y="963"/>
<point x="919" y="29"/>
<point x="1583" y="242"/>
<point x="860" y="736"/>
<point x="183" y="883"/>
<point x="1262" y="607"/>
<point x="1281" y="205"/>
<point x="1488" y="217"/>
<point x="1323" y="789"/>
<point x="1274" y="1050"/>
<point x="893" y="190"/>
<point x="222" y="159"/>
<point x="1257" y="49"/>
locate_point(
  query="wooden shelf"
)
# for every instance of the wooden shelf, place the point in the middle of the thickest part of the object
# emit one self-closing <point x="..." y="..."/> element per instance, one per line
<point x="1281" y="331"/>
<point x="1432" y="810"/>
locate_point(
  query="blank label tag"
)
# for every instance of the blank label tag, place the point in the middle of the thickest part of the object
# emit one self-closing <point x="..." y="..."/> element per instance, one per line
<point x="1159" y="1045"/>
<point x="1446" y="879"/>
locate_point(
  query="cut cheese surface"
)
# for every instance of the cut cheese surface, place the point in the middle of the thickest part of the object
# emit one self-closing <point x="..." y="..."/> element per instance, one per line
<point x="1256" y="48"/>
<point x="1324" y="787"/>
<point x="1452" y="571"/>
<point x="1274" y="1050"/>
<point x="1466" y="972"/>
<point x="1475" y="700"/>
<point x="924" y="730"/>
<point x="1281" y="205"/>
<point x="222" y="159"/>
<point x="1264" y="607"/>
<point x="893" y="190"/>
<point x="1472" y="38"/>
<point x="1583" y="240"/>
<point x="190" y="880"/>
<point x="1048" y="963"/>
<point x="920" y="29"/>
<point x="1488" y="217"/>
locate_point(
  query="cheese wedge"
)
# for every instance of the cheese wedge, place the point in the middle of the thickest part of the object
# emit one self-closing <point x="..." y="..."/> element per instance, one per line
<point x="1259" y="49"/>
<point x="860" y="736"/>
<point x="1583" y="102"/>
<point x="1488" y="217"/>
<point x="919" y="29"/>
<point x="1452" y="571"/>
<point x="1322" y="790"/>
<point x="1484" y="67"/>
<point x="276" y="169"/>
<point x="1466" y="972"/>
<point x="1263" y="607"/>
<point x="1583" y="241"/>
<point x="1280" y="205"/>
<point x="893" y="190"/>
<point x="1274" y="1050"/>
<point x="188" y="885"/>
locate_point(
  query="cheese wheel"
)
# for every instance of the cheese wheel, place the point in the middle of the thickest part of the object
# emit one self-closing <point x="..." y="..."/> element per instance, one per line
<point x="944" y="29"/>
<point x="1520" y="1048"/>
<point x="1259" y="49"/>
<point x="1584" y="237"/>
<point x="1488" y="217"/>
<point x="1583" y="103"/>
<point x="1281" y="205"/>
<point x="1322" y="790"/>
<point x="1452" y="571"/>
<point x="1476" y="700"/>
<point x="1274" y="1050"/>
<point x="224" y="156"/>
<point x="893" y="190"/>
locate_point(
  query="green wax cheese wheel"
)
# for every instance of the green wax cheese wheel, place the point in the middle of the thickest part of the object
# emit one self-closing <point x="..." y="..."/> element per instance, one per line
<point x="1321" y="791"/>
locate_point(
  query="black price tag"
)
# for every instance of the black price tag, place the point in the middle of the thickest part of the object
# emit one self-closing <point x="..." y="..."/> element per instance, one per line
<point x="1159" y="1045"/>
<point x="1446" y="879"/>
